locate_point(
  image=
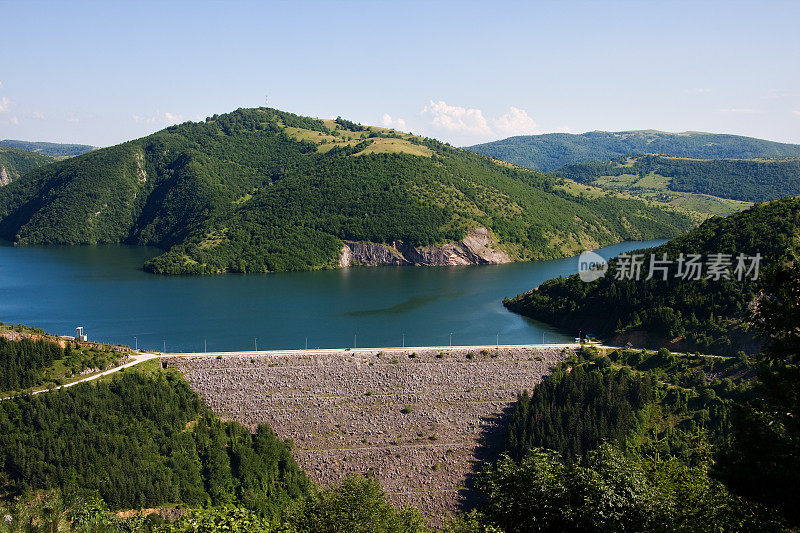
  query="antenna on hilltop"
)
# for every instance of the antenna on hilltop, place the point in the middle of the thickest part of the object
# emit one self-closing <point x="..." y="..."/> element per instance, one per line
<point x="266" y="101"/>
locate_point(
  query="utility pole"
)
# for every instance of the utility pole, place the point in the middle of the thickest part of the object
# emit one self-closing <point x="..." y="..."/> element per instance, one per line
<point x="205" y="345"/>
<point x="255" y="341"/>
<point x="355" y="337"/>
<point x="306" y="343"/>
<point x="404" y="340"/>
<point x="451" y="339"/>
<point x="498" y="339"/>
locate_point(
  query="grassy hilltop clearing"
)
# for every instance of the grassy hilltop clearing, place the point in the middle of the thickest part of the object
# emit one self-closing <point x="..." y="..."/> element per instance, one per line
<point x="554" y="150"/>
<point x="719" y="186"/>
<point x="15" y="162"/>
<point x="705" y="314"/>
<point x="260" y="190"/>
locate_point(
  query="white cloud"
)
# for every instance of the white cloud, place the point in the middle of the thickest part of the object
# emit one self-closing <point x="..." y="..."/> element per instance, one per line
<point x="563" y="129"/>
<point x="697" y="90"/>
<point x="172" y="117"/>
<point x="37" y="115"/>
<point x="740" y="111"/>
<point x="515" y="122"/>
<point x="166" y="118"/>
<point x="398" y="123"/>
<point x="1" y="84"/>
<point x="471" y="121"/>
<point x="5" y="104"/>
<point x="796" y="112"/>
<point x="457" y="119"/>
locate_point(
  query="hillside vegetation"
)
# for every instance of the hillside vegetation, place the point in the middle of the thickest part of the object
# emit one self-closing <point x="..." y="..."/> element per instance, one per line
<point x="630" y="440"/>
<point x="554" y="150"/>
<point x="634" y="440"/>
<point x="749" y="180"/>
<point x="139" y="441"/>
<point x="705" y="314"/>
<point x="51" y="149"/>
<point x="30" y="359"/>
<point x="261" y="190"/>
<point x="15" y="162"/>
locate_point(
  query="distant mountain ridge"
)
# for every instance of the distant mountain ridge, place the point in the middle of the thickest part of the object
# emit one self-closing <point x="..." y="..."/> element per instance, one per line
<point x="551" y="151"/>
<point x="262" y="190"/>
<point x="47" y="148"/>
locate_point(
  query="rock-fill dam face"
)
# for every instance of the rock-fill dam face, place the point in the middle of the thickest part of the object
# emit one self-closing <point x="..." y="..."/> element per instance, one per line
<point x="419" y="421"/>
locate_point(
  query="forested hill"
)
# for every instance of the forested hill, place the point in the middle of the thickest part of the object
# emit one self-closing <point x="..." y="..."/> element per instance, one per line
<point x="554" y="150"/>
<point x="51" y="149"/>
<point x="261" y="190"/>
<point x="751" y="180"/>
<point x="706" y="314"/>
<point x="15" y="162"/>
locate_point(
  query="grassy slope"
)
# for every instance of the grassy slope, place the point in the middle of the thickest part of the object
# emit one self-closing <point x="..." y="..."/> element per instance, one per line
<point x="719" y="186"/>
<point x="554" y="150"/>
<point x="262" y="190"/>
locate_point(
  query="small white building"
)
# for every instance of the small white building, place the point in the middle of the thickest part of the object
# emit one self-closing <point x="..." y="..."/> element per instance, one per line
<point x="80" y="336"/>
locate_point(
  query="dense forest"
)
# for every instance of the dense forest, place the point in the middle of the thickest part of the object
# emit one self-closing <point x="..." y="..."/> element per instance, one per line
<point x="752" y="180"/>
<point x="551" y="151"/>
<point x="262" y="190"/>
<point x="22" y="362"/>
<point x="704" y="314"/>
<point x="15" y="162"/>
<point x="50" y="149"/>
<point x="630" y="397"/>
<point x="142" y="441"/>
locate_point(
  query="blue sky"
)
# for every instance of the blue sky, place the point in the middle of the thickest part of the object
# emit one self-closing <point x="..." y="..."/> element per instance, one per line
<point x="465" y="72"/>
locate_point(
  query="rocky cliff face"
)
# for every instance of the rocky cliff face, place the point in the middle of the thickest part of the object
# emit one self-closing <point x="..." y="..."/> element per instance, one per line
<point x="5" y="178"/>
<point x="478" y="247"/>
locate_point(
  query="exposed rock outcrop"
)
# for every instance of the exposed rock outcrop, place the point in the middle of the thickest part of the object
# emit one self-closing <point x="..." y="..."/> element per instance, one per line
<point x="141" y="174"/>
<point x="5" y="179"/>
<point x="478" y="247"/>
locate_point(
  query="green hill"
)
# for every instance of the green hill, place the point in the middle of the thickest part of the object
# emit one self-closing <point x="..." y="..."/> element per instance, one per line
<point x="554" y="150"/>
<point x="749" y="180"/>
<point x="262" y="190"/>
<point x="706" y="314"/>
<point x="15" y="162"/>
<point x="51" y="149"/>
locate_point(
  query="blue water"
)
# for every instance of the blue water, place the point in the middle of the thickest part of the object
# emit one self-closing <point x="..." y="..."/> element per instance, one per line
<point x="104" y="289"/>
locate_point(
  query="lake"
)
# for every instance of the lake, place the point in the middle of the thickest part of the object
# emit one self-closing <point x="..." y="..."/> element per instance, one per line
<point x="104" y="289"/>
